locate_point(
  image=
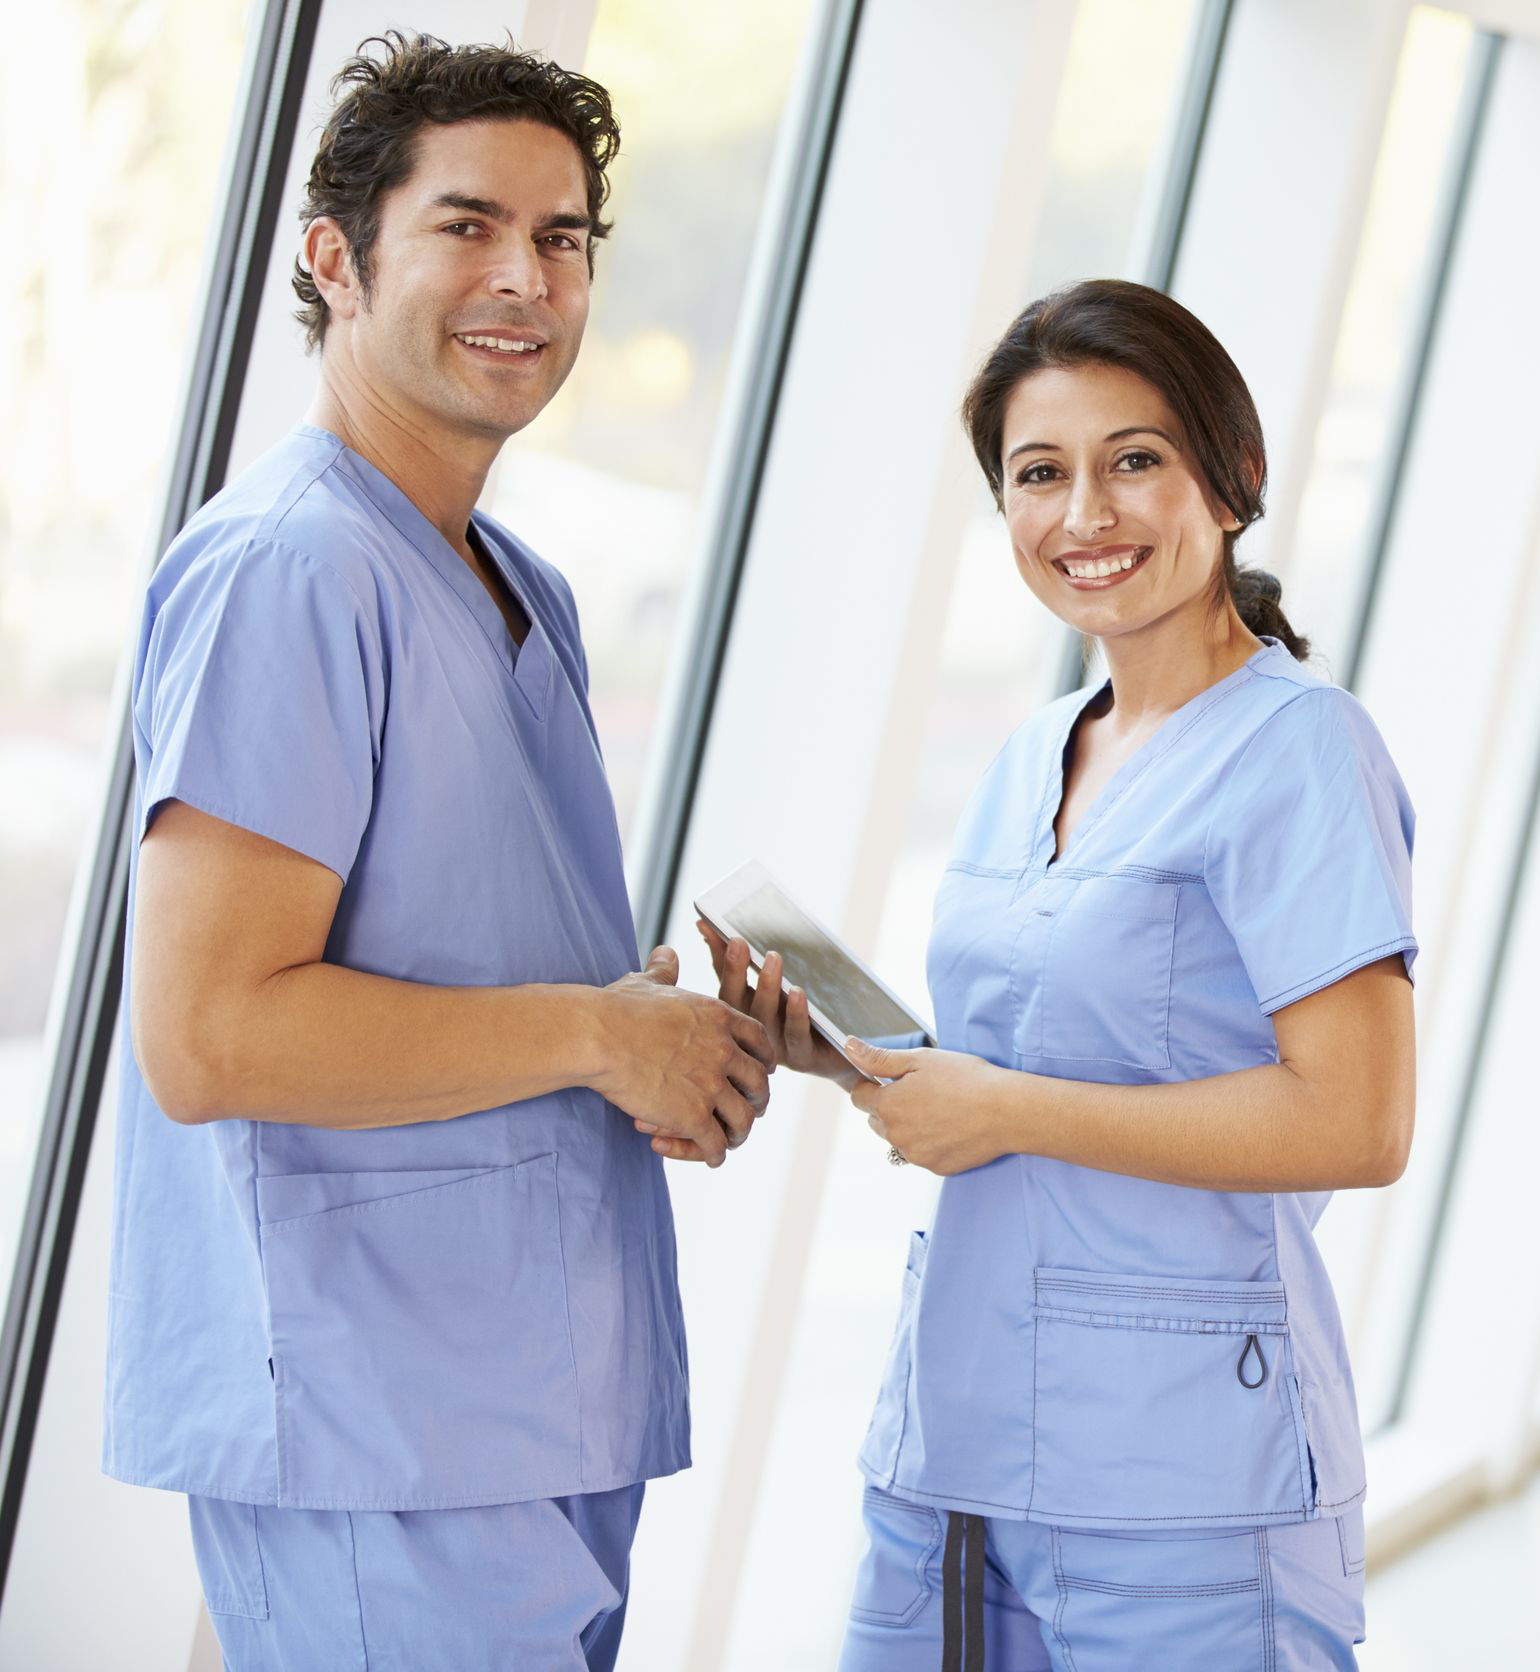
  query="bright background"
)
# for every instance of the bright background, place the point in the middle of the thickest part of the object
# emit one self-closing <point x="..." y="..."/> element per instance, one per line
<point x="1343" y="189"/>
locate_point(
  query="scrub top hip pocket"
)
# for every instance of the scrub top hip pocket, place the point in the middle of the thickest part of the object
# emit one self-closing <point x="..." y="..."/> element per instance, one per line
<point x="1163" y="1400"/>
<point x="421" y="1350"/>
<point x="1106" y="961"/>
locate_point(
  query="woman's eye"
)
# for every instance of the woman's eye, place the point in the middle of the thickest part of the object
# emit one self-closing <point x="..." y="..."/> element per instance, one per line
<point x="1137" y="461"/>
<point x="1035" y="474"/>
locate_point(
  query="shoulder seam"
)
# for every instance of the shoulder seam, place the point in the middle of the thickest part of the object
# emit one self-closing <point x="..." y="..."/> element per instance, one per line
<point x="1299" y="693"/>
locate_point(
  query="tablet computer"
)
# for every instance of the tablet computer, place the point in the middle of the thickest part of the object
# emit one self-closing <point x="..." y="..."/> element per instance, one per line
<point x="843" y="996"/>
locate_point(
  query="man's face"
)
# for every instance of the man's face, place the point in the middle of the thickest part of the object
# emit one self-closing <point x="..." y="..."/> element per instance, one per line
<point x="479" y="278"/>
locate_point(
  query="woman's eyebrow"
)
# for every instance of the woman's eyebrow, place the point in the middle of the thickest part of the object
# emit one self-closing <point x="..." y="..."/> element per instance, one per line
<point x="1116" y="435"/>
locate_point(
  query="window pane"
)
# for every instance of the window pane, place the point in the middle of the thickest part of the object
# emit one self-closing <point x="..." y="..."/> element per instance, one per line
<point x="609" y="482"/>
<point x="1380" y="311"/>
<point x="108" y="163"/>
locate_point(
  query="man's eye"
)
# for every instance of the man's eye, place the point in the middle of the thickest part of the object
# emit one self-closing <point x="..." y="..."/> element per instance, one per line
<point x="460" y="228"/>
<point x="563" y="240"/>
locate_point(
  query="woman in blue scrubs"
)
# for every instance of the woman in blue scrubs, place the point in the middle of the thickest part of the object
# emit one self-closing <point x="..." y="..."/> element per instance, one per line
<point x="1170" y="970"/>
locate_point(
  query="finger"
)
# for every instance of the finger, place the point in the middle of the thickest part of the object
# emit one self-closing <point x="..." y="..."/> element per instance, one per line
<point x="683" y="1149"/>
<point x="750" y="1079"/>
<point x="753" y="1039"/>
<point x="735" y="1115"/>
<point x="662" y="966"/>
<point x="797" y="1029"/>
<point x="876" y="1124"/>
<point x="766" y="1008"/>
<point x="864" y="1095"/>
<point x="880" y="1064"/>
<point x="735" y="989"/>
<point x="715" y="945"/>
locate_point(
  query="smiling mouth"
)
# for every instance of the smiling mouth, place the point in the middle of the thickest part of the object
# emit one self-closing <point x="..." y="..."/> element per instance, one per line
<point x="1098" y="573"/>
<point x="499" y="347"/>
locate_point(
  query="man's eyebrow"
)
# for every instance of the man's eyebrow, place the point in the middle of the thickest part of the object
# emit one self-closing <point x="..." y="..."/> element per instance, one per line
<point x="565" y="220"/>
<point x="1117" y="435"/>
<point x="488" y="206"/>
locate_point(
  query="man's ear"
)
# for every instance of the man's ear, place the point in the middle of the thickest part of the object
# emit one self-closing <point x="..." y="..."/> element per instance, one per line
<point x="326" y="252"/>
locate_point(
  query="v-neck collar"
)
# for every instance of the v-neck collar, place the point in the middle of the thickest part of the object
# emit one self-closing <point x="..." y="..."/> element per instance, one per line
<point x="1173" y="727"/>
<point x="528" y="665"/>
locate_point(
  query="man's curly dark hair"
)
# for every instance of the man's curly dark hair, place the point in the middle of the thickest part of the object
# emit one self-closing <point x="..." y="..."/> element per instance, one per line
<point x="383" y="100"/>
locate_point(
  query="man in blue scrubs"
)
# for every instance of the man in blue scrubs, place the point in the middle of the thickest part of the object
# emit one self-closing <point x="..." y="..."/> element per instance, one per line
<point x="393" y="1292"/>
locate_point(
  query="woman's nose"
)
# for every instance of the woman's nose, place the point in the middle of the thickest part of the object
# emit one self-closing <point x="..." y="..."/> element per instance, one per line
<point x="1089" y="512"/>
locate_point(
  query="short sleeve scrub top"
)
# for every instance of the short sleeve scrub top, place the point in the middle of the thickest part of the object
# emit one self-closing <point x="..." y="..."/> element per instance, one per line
<point x="1085" y="1349"/>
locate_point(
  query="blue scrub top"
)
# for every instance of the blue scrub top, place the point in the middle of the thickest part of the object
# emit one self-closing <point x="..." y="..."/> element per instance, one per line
<point x="1074" y="1346"/>
<point x="470" y="1311"/>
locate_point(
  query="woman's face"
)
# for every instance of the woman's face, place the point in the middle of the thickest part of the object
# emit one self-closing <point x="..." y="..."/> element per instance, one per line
<point x="1111" y="522"/>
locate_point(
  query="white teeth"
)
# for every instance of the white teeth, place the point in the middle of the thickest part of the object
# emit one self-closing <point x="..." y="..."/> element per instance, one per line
<point x="504" y="345"/>
<point x="1102" y="568"/>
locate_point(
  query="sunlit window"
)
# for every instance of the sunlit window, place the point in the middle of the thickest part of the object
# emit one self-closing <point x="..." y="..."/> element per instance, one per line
<point x="112" y="118"/>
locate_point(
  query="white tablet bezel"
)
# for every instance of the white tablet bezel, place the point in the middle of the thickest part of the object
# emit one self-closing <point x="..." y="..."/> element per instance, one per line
<point x="715" y="906"/>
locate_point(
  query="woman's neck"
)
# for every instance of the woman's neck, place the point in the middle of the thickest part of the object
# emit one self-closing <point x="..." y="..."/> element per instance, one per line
<point x="1156" y="671"/>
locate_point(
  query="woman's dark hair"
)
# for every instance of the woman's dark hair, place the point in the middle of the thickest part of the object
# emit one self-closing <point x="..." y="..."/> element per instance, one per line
<point x="368" y="145"/>
<point x="1110" y="322"/>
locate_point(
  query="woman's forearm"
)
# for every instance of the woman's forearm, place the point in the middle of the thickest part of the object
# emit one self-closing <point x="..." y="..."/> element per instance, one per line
<point x="1260" y="1129"/>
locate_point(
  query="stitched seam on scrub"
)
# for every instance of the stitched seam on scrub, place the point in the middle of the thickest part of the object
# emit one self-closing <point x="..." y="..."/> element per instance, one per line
<point x="1058" y="1613"/>
<point x="358" y="1595"/>
<point x="1162" y="1326"/>
<point x="1342" y="1503"/>
<point x="1265" y="1573"/>
<point x="1135" y="873"/>
<point x="275" y="1226"/>
<point x="1160" y="753"/>
<point x="1111" y="1588"/>
<point x="1166" y="1292"/>
<point x="1213" y="1516"/>
<point x="1313" y="984"/>
<point x="566" y="1312"/>
<point x="1008" y="873"/>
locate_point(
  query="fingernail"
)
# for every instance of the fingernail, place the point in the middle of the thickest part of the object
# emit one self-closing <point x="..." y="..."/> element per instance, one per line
<point x="642" y="1126"/>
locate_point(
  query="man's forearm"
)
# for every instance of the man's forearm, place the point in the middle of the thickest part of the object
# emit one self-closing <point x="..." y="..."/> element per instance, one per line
<point x="335" y="1047"/>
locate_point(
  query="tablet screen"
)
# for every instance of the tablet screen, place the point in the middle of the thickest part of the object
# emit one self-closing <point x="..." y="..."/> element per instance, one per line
<point x="839" y="988"/>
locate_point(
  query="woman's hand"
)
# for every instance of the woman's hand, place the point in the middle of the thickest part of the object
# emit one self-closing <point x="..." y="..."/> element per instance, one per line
<point x="783" y="1015"/>
<point x="942" y="1109"/>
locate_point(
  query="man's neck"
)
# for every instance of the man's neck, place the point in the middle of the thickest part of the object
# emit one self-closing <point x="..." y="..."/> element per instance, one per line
<point x="441" y="472"/>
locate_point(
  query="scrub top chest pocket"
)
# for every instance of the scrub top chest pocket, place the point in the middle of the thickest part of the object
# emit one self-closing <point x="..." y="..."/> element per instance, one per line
<point x="1093" y="969"/>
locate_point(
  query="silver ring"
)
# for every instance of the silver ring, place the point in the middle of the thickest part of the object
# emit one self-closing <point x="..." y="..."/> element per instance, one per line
<point x="896" y="1157"/>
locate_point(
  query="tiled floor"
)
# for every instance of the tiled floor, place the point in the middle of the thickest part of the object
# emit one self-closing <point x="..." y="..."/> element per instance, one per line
<point x="1466" y="1601"/>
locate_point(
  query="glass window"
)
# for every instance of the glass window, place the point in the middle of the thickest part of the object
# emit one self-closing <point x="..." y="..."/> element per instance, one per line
<point x="108" y="166"/>
<point x="1379" y="314"/>
<point x="609" y="482"/>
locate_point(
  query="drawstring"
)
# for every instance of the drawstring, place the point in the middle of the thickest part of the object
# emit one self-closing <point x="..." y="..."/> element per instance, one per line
<point x="962" y="1595"/>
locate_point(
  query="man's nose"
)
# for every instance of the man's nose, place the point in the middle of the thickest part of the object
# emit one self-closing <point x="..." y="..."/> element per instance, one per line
<point x="518" y="273"/>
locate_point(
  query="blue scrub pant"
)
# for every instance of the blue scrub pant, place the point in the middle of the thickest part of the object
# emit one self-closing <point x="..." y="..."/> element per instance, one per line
<point x="1258" y="1599"/>
<point x="540" y="1585"/>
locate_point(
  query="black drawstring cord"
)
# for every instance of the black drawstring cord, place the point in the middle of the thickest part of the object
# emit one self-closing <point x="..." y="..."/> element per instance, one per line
<point x="962" y="1595"/>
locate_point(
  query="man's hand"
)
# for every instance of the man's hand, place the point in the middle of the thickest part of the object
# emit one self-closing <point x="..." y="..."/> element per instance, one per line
<point x="692" y="1072"/>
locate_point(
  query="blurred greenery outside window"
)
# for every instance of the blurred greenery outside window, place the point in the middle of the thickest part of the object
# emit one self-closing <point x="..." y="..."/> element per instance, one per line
<point x="113" y="119"/>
